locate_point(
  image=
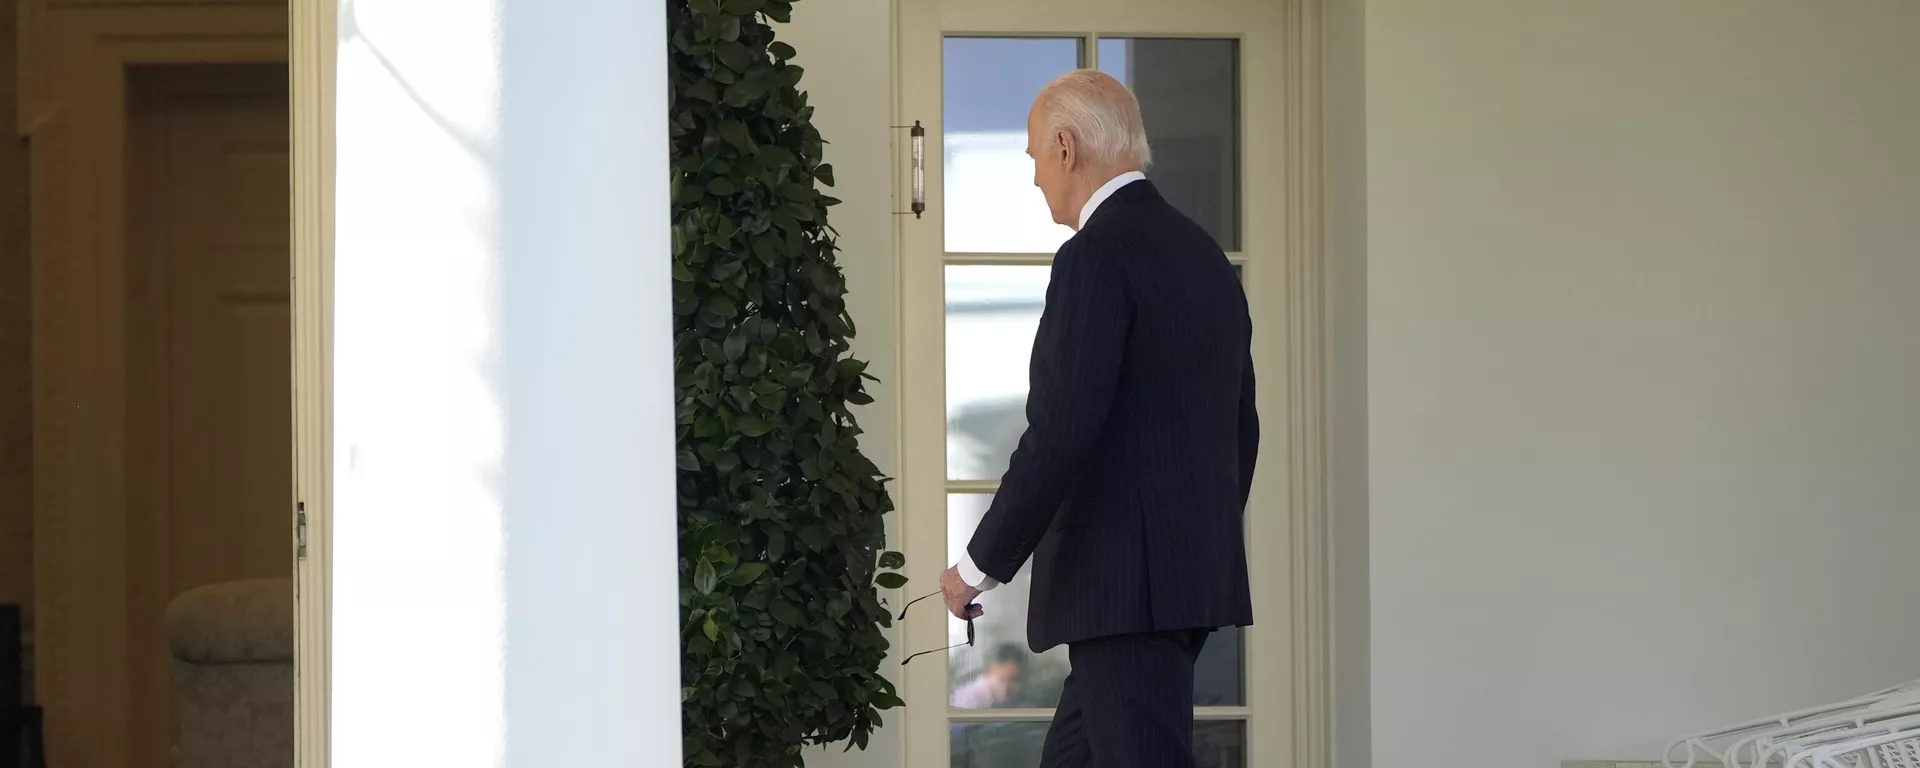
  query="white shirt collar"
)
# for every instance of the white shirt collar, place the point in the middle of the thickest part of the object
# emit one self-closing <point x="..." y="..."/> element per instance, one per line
<point x="1105" y="191"/>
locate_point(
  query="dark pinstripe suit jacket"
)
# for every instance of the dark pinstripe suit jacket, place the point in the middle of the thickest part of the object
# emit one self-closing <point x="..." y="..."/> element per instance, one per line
<point x="1129" y="487"/>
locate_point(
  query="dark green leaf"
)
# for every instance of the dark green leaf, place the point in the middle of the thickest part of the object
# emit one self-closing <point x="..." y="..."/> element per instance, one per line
<point x="824" y="173"/>
<point x="779" y="160"/>
<point x="732" y="54"/>
<point x="703" y="577"/>
<point x="735" y="133"/>
<point x="754" y="426"/>
<point x="890" y="580"/>
<point x="816" y="538"/>
<point x="767" y="250"/>
<point x="745" y="91"/>
<point x="787" y="614"/>
<point x="746" y="574"/>
<point x="781" y="51"/>
<point x="711" y="629"/>
<point x="891" y="560"/>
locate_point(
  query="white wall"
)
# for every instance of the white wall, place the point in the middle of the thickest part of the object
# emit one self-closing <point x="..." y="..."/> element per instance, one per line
<point x="846" y="48"/>
<point x="1643" y="360"/>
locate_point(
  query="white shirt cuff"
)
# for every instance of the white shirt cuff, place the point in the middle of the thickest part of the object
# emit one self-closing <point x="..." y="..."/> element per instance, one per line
<point x="973" y="576"/>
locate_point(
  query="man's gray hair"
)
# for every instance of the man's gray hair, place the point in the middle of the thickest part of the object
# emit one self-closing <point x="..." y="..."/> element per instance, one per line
<point x="1101" y="114"/>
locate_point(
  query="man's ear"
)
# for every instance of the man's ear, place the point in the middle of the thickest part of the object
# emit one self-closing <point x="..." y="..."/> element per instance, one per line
<point x="1068" y="152"/>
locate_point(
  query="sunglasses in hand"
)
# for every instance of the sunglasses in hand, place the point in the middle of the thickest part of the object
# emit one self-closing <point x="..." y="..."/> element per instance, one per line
<point x="972" y="612"/>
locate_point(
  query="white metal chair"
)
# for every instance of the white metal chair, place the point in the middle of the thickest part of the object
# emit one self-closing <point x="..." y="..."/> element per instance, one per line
<point x="1757" y="737"/>
<point x="1886" y="748"/>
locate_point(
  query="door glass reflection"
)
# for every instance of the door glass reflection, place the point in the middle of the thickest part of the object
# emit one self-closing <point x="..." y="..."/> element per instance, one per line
<point x="991" y="204"/>
<point x="1189" y="92"/>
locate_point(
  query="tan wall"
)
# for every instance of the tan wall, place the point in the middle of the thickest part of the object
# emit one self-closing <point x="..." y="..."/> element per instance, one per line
<point x="1641" y="367"/>
<point x="16" y="416"/>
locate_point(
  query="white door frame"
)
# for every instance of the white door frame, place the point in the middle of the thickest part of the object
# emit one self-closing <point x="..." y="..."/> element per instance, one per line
<point x="1288" y="659"/>
<point x="312" y="41"/>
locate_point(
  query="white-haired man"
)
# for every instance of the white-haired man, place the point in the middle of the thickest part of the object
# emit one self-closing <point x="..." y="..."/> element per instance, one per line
<point x="1129" y="487"/>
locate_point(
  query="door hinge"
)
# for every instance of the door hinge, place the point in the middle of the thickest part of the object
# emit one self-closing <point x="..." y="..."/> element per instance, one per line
<point x="300" y="530"/>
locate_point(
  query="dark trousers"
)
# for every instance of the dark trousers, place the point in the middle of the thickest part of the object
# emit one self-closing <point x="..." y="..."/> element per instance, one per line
<point x="1128" y="703"/>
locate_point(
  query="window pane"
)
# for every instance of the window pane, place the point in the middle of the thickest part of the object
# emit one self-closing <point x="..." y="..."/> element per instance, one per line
<point x="991" y="203"/>
<point x="992" y="315"/>
<point x="1216" y="744"/>
<point x="993" y="312"/>
<point x="1189" y="98"/>
<point x="1220" y="744"/>
<point x="999" y="672"/>
<point x="1216" y="674"/>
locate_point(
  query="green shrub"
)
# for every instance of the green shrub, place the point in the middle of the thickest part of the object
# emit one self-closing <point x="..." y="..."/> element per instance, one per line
<point x="781" y="517"/>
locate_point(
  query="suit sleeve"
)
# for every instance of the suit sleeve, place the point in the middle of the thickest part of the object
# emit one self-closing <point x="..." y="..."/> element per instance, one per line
<point x="1077" y="356"/>
<point x="1249" y="433"/>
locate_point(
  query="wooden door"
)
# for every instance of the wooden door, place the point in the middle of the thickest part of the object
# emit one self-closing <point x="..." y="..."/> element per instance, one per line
<point x="210" y="394"/>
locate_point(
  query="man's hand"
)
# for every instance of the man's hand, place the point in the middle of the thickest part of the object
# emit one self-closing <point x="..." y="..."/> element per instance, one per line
<point x="959" y="596"/>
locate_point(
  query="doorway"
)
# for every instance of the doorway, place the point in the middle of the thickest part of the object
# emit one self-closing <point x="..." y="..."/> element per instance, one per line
<point x="1222" y="90"/>
<point x="157" y="142"/>
<point x="209" y="439"/>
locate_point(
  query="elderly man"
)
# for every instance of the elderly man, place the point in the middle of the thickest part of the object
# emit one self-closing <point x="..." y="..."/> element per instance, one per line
<point x="1129" y="487"/>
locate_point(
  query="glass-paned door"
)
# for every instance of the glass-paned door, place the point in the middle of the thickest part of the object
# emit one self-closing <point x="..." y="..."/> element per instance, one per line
<point x="976" y="270"/>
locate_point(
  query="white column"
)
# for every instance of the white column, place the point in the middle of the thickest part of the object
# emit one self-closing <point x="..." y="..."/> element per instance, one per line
<point x="504" y="582"/>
